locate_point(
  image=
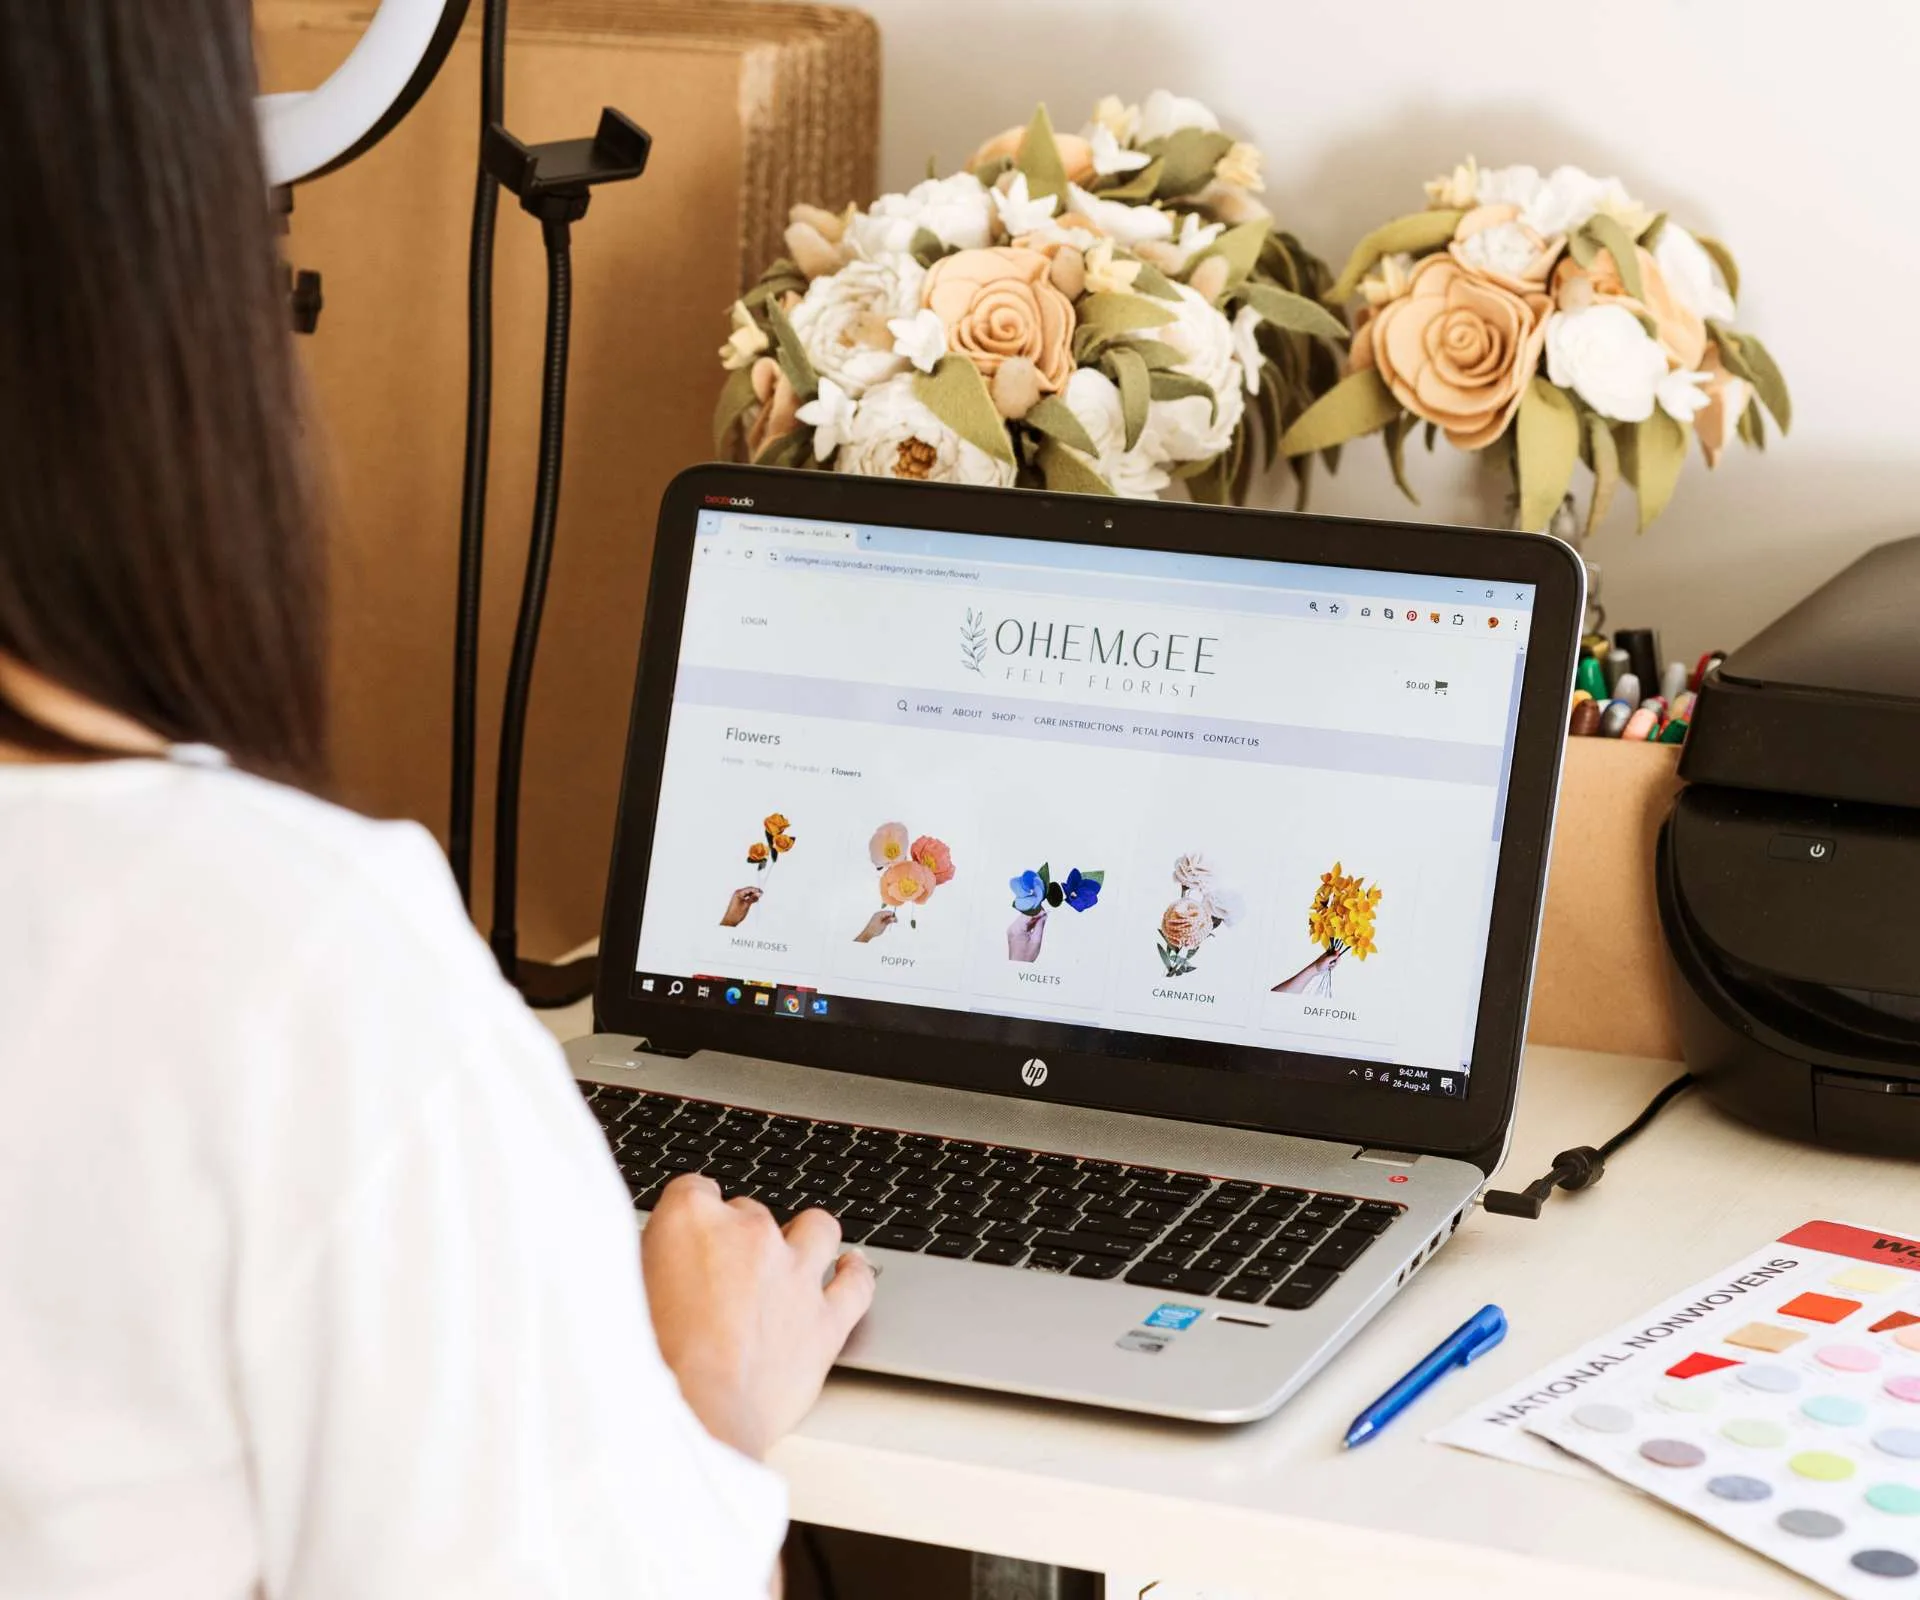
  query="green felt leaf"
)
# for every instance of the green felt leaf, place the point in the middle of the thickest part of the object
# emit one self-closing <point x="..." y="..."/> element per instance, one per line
<point x="1099" y="877"/>
<point x="791" y="354"/>
<point x="1187" y="157"/>
<point x="1054" y="417"/>
<point x="1067" y="473"/>
<point x="1087" y="345"/>
<point x="1244" y="463"/>
<point x="956" y="393"/>
<point x="1331" y="455"/>
<point x="926" y="246"/>
<point x="1606" y="469"/>
<point x="1157" y="352"/>
<point x="1417" y="231"/>
<point x="772" y="290"/>
<point x="1137" y="187"/>
<point x="1039" y="159"/>
<point x="1655" y="457"/>
<point x="1134" y="382"/>
<point x="1294" y="312"/>
<point x="1152" y="281"/>
<point x="1768" y="383"/>
<point x="1208" y="487"/>
<point x="735" y="396"/>
<point x="1650" y="234"/>
<point x="1273" y="422"/>
<point x="1358" y="404"/>
<point x="1395" y="434"/>
<point x="1302" y="481"/>
<point x="1753" y="427"/>
<point x="1584" y="249"/>
<point x="1046" y="873"/>
<point x="1182" y="471"/>
<point x="1178" y="385"/>
<point x="789" y="450"/>
<point x="1433" y="432"/>
<point x="1239" y="248"/>
<point x="1615" y="239"/>
<point x="1277" y="261"/>
<point x="1723" y="259"/>
<point x="989" y="172"/>
<point x="1546" y="448"/>
<point x="1108" y="314"/>
<point x="1732" y="357"/>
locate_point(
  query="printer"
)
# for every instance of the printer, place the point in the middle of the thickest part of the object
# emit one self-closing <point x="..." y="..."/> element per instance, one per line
<point x="1788" y="874"/>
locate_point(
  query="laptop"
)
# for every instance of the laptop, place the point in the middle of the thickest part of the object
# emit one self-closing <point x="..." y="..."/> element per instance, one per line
<point x="1120" y="914"/>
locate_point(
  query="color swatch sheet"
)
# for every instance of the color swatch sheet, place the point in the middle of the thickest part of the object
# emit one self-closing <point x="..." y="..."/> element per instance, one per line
<point x="1787" y="1416"/>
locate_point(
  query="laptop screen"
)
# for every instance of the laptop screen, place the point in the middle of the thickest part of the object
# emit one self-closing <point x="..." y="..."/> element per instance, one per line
<point x="948" y="782"/>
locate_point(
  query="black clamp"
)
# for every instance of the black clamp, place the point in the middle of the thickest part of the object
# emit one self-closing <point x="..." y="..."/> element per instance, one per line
<point x="553" y="180"/>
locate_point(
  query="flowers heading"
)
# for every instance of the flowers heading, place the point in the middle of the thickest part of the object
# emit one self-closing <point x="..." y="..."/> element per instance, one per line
<point x="1097" y="313"/>
<point x="1558" y="316"/>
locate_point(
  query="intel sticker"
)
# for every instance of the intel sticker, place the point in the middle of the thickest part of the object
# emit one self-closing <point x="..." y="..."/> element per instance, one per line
<point x="1169" y="1315"/>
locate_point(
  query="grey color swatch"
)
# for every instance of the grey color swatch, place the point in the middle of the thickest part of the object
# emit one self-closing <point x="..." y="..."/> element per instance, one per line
<point x="1672" y="1453"/>
<point x="1886" y="1563"/>
<point x="1736" y="1487"/>
<point x="1903" y="1442"/>
<point x="1811" y="1524"/>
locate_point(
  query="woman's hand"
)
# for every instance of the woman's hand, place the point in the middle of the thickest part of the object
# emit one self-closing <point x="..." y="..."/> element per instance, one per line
<point x="877" y="924"/>
<point x="1024" y="934"/>
<point x="1303" y="980"/>
<point x="739" y="1308"/>
<point x="743" y="901"/>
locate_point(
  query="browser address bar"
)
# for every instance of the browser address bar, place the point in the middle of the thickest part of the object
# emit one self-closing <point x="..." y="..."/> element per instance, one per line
<point x="875" y="566"/>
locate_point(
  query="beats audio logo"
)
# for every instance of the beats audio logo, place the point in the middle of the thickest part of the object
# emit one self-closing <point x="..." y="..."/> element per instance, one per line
<point x="1033" y="1073"/>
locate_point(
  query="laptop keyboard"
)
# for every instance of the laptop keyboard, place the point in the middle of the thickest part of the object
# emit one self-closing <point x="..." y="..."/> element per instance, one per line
<point x="1178" y="1231"/>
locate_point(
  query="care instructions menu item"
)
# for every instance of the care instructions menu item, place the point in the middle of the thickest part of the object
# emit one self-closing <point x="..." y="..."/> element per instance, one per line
<point x="1778" y="1402"/>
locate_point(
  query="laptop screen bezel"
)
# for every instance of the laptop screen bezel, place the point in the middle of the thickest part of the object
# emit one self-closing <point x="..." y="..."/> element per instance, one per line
<point x="1473" y="1127"/>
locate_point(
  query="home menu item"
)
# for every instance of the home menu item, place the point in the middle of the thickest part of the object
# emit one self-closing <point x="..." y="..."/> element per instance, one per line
<point x="1167" y="796"/>
<point x="1777" y="1401"/>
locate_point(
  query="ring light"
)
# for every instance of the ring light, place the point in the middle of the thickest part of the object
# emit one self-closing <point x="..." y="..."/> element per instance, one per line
<point x="310" y="133"/>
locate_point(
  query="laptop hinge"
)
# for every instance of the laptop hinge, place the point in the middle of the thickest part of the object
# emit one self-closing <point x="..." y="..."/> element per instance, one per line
<point x="631" y="1060"/>
<point x="1388" y="1158"/>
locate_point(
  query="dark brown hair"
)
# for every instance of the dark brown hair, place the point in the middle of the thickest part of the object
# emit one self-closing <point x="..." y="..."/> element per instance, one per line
<point x="159" y="552"/>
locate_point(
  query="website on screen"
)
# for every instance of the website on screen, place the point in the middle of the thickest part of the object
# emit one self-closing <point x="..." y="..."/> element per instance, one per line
<point x="1226" y="800"/>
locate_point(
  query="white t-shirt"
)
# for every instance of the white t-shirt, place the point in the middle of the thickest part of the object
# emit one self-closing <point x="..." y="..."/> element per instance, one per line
<point x="316" y="1279"/>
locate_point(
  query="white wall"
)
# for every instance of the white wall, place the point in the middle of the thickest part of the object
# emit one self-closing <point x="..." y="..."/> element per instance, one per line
<point x="1790" y="130"/>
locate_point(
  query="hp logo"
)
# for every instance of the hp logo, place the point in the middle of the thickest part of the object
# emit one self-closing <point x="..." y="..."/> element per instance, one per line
<point x="1033" y="1073"/>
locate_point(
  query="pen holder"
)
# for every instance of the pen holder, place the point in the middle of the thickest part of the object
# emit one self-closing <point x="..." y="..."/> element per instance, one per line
<point x="1600" y="982"/>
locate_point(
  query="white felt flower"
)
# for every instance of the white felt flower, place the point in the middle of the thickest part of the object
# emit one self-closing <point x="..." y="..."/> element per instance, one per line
<point x="1163" y="113"/>
<point x="893" y="435"/>
<point x="747" y="341"/>
<point x="1602" y="353"/>
<point x="1189" y="429"/>
<point x="842" y="320"/>
<point x="1246" y="345"/>
<point x="1110" y="156"/>
<point x="1691" y="274"/>
<point x="1128" y="226"/>
<point x="1106" y="274"/>
<point x="954" y="210"/>
<point x="921" y="338"/>
<point x="1091" y="396"/>
<point x="1226" y="905"/>
<point x="1173" y="255"/>
<point x="830" y="415"/>
<point x="1116" y="116"/>
<point x="1681" y="394"/>
<point x="1019" y="212"/>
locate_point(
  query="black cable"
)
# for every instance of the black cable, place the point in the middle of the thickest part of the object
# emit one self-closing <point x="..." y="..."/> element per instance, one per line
<point x="1581" y="1167"/>
<point x="473" y="496"/>
<point x="533" y="595"/>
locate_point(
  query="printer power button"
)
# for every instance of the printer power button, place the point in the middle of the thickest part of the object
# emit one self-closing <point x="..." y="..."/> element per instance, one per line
<point x="1800" y="847"/>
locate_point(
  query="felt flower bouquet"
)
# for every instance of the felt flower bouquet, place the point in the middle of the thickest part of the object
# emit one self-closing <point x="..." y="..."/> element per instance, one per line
<point x="1036" y="892"/>
<point x="1558" y="319"/>
<point x="909" y="872"/>
<point x="1103" y="312"/>
<point x="1202" y="910"/>
<point x="774" y="842"/>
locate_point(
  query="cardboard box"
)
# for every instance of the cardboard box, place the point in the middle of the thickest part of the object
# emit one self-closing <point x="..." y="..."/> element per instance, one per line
<point x="1601" y="979"/>
<point x="752" y="107"/>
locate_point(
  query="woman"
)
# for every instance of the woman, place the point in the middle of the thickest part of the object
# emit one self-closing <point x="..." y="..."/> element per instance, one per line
<point x="315" y="1278"/>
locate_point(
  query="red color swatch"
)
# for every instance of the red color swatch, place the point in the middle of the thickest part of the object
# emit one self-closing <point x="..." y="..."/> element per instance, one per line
<point x="1819" y="1308"/>
<point x="1897" y="1319"/>
<point x="1698" y="1365"/>
<point x="1857" y="1244"/>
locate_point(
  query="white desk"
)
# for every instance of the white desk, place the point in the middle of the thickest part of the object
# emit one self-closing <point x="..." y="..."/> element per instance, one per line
<point x="1276" y="1508"/>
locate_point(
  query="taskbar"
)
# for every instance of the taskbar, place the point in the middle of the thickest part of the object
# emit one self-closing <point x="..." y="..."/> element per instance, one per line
<point x="798" y="1002"/>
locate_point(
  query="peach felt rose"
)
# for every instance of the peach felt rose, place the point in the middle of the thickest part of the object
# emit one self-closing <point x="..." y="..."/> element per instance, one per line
<point x="1076" y="155"/>
<point x="1727" y="397"/>
<point x="888" y="844"/>
<point x="1681" y="332"/>
<point x="1000" y="304"/>
<point x="906" y="883"/>
<point x="779" y="409"/>
<point x="933" y="854"/>
<point x="1185" y="924"/>
<point x="1456" y="349"/>
<point x="757" y="852"/>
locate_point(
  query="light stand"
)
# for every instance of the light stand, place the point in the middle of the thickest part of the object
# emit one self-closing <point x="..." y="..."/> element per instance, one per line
<point x="553" y="183"/>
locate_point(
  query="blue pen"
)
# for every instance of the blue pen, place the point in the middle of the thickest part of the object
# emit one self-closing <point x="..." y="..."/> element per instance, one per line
<point x="1468" y="1342"/>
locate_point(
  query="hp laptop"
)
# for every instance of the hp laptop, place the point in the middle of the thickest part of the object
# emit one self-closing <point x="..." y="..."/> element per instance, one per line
<point x="1119" y="914"/>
